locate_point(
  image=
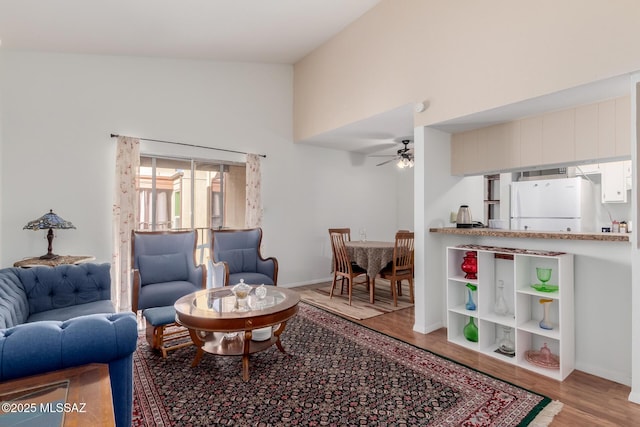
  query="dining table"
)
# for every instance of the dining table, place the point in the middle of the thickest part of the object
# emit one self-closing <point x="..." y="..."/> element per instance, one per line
<point x="371" y="255"/>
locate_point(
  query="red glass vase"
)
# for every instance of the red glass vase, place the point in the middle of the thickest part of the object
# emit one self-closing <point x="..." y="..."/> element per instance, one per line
<point x="470" y="265"/>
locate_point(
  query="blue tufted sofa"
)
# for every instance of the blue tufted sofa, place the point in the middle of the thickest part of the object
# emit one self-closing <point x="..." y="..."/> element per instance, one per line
<point x="57" y="317"/>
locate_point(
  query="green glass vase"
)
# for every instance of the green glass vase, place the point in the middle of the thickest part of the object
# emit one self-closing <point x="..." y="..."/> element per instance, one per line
<point x="470" y="331"/>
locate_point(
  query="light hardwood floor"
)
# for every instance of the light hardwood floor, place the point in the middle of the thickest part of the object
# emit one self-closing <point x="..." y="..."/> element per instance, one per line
<point x="588" y="400"/>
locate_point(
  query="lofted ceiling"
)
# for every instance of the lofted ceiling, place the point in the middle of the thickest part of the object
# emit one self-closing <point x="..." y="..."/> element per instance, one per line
<point x="277" y="31"/>
<point x="271" y="31"/>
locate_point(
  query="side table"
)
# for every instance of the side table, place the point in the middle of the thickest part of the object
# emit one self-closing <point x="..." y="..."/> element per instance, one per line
<point x="60" y="260"/>
<point x="78" y="396"/>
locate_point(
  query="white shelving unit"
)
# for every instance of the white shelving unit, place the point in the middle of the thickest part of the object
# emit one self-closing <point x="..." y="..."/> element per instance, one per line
<point x="516" y="268"/>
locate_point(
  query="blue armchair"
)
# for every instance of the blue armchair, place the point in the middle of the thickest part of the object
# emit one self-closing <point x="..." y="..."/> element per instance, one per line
<point x="239" y="250"/>
<point x="164" y="268"/>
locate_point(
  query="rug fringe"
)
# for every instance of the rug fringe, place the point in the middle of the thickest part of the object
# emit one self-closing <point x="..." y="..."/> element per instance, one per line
<point x="544" y="418"/>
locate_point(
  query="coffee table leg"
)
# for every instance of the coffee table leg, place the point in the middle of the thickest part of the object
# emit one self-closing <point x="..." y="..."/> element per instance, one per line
<point x="245" y="356"/>
<point x="277" y="335"/>
<point x="199" y="343"/>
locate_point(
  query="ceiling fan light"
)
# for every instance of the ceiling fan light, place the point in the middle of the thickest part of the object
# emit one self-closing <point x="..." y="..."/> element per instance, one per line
<point x="411" y="163"/>
<point x="401" y="164"/>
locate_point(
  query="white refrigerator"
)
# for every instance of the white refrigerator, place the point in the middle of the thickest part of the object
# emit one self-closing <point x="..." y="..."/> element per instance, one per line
<point x="564" y="204"/>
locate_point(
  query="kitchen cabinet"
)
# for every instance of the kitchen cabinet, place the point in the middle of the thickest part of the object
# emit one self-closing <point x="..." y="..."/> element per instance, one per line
<point x="558" y="137"/>
<point x="531" y="141"/>
<point x="614" y="182"/>
<point x="515" y="269"/>
<point x="586" y="132"/>
<point x="464" y="153"/>
<point x="628" y="181"/>
<point x="623" y="126"/>
<point x="591" y="132"/>
<point x="606" y="129"/>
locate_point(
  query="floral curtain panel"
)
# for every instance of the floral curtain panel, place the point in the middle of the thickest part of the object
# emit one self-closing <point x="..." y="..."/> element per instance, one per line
<point x="124" y="219"/>
<point x="253" y="211"/>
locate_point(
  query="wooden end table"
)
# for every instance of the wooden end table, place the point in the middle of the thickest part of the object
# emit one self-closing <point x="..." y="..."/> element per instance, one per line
<point x="78" y="396"/>
<point x="216" y="326"/>
<point x="60" y="260"/>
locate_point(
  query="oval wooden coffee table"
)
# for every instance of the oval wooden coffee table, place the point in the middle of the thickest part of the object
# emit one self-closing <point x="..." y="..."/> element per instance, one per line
<point x="218" y="327"/>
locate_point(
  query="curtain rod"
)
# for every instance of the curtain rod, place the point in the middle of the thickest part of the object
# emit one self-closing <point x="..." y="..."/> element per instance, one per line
<point x="115" y="135"/>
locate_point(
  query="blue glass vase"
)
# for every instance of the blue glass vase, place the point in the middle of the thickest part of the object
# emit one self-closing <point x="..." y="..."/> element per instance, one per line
<point x="470" y="305"/>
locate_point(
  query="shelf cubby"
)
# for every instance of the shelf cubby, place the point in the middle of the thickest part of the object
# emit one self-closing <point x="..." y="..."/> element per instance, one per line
<point x="515" y="269"/>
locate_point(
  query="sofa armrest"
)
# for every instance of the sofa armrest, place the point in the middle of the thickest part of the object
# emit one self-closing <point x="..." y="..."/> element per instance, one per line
<point x="33" y="348"/>
<point x="39" y="347"/>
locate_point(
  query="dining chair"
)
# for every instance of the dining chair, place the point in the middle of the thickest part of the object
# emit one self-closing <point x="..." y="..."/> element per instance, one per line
<point x="346" y="234"/>
<point x="401" y="266"/>
<point x="344" y="268"/>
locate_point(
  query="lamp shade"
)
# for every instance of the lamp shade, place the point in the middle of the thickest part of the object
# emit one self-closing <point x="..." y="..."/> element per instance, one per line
<point x="48" y="220"/>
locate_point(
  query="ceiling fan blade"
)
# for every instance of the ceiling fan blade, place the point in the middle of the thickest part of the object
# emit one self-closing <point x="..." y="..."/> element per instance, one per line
<point x="388" y="161"/>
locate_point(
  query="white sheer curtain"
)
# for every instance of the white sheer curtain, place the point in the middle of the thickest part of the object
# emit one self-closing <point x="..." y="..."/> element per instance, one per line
<point x="253" y="211"/>
<point x="124" y="219"/>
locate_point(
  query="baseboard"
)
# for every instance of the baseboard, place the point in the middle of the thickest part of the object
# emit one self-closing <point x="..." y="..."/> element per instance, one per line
<point x="634" y="396"/>
<point x="427" y="329"/>
<point x="307" y="282"/>
<point x="617" y="377"/>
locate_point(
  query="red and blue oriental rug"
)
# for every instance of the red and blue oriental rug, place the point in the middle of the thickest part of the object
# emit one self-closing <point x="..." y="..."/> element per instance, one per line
<point x="335" y="373"/>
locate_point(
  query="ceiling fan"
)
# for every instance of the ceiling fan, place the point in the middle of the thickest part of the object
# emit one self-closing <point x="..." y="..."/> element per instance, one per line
<point x="404" y="157"/>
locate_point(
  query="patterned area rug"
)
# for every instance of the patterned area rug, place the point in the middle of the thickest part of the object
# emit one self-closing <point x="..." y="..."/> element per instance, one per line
<point x="360" y="307"/>
<point x="335" y="373"/>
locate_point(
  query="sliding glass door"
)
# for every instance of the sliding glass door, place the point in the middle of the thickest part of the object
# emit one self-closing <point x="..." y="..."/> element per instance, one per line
<point x="178" y="194"/>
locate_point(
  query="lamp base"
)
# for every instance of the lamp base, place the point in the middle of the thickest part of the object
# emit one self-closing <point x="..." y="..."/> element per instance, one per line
<point x="49" y="256"/>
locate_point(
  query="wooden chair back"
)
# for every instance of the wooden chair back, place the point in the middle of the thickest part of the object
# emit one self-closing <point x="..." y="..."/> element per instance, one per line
<point x="403" y="251"/>
<point x="341" y="256"/>
<point x="346" y="234"/>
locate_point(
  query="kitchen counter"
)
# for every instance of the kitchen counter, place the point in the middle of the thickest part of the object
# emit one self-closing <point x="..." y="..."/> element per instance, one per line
<point x="560" y="235"/>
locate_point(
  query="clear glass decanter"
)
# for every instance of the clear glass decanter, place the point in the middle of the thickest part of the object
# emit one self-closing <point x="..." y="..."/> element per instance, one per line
<point x="500" y="307"/>
<point x="507" y="346"/>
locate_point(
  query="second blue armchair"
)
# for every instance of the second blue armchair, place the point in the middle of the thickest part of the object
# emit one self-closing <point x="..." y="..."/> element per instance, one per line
<point x="239" y="250"/>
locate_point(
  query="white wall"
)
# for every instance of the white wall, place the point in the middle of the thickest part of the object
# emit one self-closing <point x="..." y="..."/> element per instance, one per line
<point x="404" y="204"/>
<point x="60" y="109"/>
<point x="437" y="194"/>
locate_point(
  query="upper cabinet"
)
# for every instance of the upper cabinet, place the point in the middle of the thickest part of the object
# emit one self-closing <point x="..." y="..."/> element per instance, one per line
<point x="590" y="132"/>
<point x="623" y="126"/>
<point x="586" y="135"/>
<point x="558" y="137"/>
<point x="531" y="141"/>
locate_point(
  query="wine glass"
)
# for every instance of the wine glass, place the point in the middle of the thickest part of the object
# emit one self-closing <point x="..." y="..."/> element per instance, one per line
<point x="544" y="274"/>
<point x="363" y="234"/>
